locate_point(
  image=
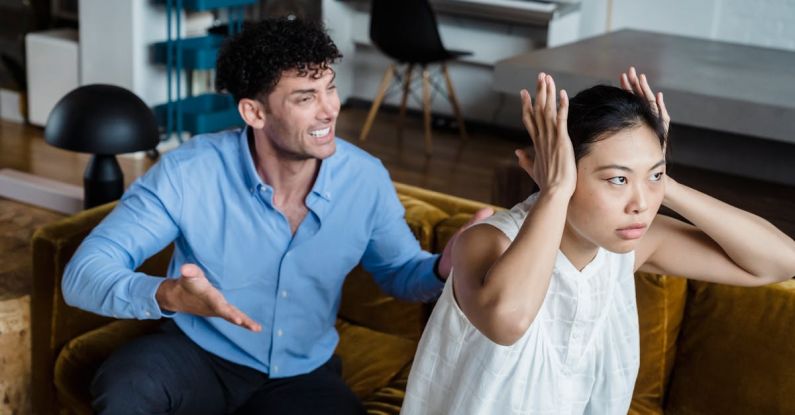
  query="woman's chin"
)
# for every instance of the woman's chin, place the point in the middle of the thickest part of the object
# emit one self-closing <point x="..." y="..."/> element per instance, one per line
<point x="622" y="246"/>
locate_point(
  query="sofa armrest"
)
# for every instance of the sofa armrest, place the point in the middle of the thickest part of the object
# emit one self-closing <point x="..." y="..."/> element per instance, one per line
<point x="736" y="351"/>
<point x="53" y="322"/>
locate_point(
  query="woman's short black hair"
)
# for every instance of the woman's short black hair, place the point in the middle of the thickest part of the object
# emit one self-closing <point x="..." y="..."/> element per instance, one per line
<point x="252" y="62"/>
<point x="602" y="110"/>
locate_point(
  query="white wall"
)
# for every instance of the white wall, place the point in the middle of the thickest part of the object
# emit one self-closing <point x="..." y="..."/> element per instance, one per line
<point x="766" y="23"/>
<point x="115" y="37"/>
<point x="360" y="72"/>
<point x="115" y="41"/>
<point x="769" y="23"/>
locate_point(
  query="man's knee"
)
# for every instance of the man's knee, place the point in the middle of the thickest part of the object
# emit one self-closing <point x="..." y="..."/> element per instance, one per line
<point x="129" y="386"/>
<point x="160" y="373"/>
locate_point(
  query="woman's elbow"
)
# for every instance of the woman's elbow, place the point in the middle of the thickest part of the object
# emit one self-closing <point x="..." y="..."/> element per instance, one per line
<point x="508" y="328"/>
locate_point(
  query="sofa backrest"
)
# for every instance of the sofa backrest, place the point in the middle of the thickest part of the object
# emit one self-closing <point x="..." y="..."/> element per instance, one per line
<point x="661" y="302"/>
<point x="55" y="323"/>
<point x="736" y="351"/>
<point x="433" y="218"/>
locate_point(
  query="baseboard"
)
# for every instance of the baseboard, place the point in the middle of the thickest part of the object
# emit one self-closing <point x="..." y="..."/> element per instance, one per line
<point x="40" y="191"/>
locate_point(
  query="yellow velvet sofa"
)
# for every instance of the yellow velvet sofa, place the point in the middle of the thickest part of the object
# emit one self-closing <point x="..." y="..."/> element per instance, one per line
<point x="704" y="348"/>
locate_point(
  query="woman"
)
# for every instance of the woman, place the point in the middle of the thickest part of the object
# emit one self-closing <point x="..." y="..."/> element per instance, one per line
<point x="539" y="314"/>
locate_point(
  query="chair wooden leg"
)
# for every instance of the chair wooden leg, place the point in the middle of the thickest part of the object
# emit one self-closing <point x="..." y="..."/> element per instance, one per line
<point x="377" y="102"/>
<point x="426" y="107"/>
<point x="404" y="100"/>
<point x="454" y="102"/>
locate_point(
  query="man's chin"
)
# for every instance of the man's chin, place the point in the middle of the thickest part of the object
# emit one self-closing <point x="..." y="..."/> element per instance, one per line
<point x="326" y="150"/>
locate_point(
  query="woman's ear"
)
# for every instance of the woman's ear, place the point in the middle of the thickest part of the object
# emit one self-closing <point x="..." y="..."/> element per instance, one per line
<point x="253" y="112"/>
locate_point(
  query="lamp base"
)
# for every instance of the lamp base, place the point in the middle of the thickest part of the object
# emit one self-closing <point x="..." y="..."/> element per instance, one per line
<point x="103" y="181"/>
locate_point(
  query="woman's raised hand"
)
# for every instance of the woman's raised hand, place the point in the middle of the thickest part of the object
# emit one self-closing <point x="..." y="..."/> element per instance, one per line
<point x="639" y="85"/>
<point x="551" y="164"/>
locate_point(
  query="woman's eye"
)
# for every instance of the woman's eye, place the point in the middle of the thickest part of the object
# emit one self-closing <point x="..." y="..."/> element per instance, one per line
<point x="657" y="176"/>
<point x="618" y="180"/>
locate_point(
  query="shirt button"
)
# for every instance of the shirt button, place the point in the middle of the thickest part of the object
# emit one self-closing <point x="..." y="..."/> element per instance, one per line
<point x="148" y="314"/>
<point x="284" y="293"/>
<point x="276" y="369"/>
<point x="279" y="332"/>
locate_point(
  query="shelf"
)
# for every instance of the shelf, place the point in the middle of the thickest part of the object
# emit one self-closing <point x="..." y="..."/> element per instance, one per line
<point x="197" y="52"/>
<point x="204" y="113"/>
<point x="202" y="5"/>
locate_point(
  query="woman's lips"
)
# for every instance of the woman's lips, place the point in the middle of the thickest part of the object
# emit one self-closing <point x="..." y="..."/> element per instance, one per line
<point x="632" y="231"/>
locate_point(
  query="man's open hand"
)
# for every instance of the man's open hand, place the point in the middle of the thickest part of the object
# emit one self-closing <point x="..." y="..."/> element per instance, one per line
<point x="192" y="293"/>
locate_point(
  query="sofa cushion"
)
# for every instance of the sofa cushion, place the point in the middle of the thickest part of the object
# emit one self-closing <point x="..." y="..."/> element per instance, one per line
<point x="661" y="301"/>
<point x="82" y="356"/>
<point x="389" y="399"/>
<point x="365" y="304"/>
<point x="371" y="360"/>
<point x="422" y="218"/>
<point x="448" y="227"/>
<point x="736" y="353"/>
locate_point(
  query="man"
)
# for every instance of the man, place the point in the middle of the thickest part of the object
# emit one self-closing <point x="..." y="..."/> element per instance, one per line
<point x="267" y="221"/>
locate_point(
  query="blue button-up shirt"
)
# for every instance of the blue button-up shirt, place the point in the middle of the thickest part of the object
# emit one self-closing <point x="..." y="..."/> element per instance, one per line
<point x="207" y="198"/>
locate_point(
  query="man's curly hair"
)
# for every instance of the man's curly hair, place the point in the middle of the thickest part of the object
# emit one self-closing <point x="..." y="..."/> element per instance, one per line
<point x="252" y="62"/>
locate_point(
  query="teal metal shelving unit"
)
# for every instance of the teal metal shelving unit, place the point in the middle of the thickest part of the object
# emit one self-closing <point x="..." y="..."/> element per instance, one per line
<point x="206" y="112"/>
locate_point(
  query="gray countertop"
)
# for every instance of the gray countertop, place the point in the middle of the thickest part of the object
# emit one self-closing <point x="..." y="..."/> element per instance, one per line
<point x="707" y="84"/>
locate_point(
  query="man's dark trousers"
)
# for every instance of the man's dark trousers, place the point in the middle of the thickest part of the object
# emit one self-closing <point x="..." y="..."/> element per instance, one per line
<point x="167" y="373"/>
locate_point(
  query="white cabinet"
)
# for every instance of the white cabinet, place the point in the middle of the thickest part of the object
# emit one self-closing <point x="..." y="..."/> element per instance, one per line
<point x="52" y="70"/>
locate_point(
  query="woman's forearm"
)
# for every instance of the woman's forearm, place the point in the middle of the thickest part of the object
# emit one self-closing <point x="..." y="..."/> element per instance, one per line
<point x="753" y="243"/>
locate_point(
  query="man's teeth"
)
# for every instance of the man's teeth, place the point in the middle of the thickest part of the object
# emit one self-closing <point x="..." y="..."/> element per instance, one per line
<point x="320" y="133"/>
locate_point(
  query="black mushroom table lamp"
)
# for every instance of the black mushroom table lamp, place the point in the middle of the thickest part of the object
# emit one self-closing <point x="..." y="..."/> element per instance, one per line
<point x="103" y="120"/>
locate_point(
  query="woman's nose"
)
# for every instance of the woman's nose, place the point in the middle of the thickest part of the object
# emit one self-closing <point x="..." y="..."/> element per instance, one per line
<point x="639" y="201"/>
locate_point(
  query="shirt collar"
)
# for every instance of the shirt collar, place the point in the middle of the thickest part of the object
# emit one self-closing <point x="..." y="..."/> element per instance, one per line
<point x="321" y="187"/>
<point x="252" y="179"/>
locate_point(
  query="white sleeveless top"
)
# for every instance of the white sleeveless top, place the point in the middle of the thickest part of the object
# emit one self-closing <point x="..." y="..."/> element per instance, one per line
<point x="579" y="356"/>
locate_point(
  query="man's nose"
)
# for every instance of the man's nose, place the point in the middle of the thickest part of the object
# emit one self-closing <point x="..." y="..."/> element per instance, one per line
<point x="329" y="107"/>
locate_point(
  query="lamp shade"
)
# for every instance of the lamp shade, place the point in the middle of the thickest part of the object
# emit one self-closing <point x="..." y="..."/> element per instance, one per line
<point x="102" y="119"/>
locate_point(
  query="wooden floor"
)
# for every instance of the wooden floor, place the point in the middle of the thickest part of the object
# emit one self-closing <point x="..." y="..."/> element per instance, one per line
<point x="22" y="147"/>
<point x="461" y="168"/>
<point x="456" y="167"/>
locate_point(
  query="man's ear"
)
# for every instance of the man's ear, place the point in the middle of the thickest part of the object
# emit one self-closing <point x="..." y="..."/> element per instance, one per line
<point x="253" y="112"/>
